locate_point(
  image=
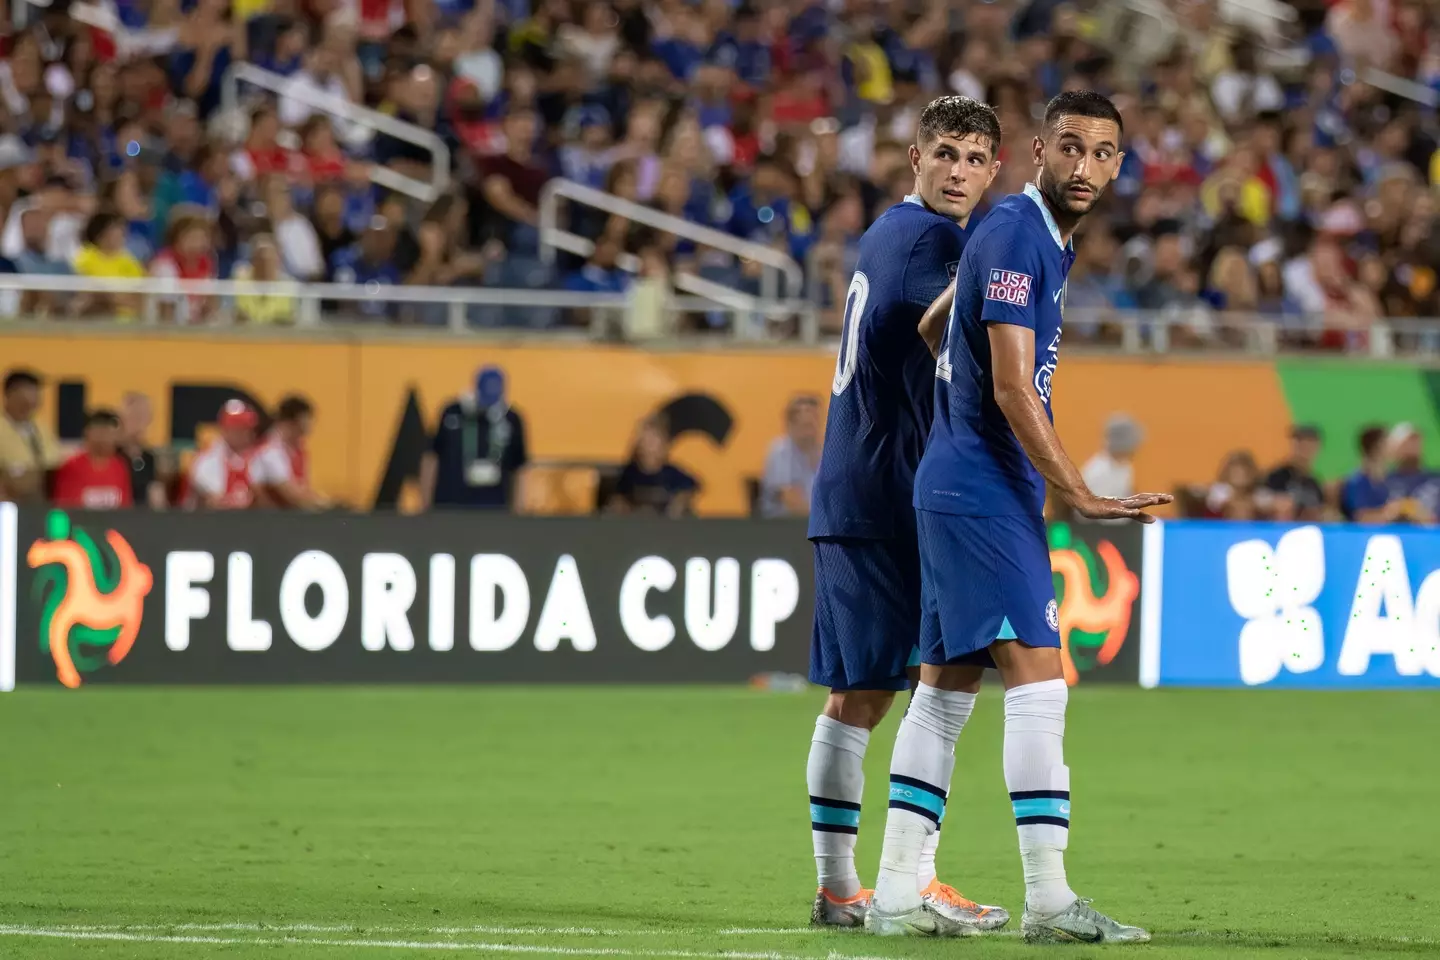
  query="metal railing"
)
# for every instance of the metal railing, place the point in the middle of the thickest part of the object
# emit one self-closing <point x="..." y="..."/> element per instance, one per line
<point x="285" y="88"/>
<point x="165" y="302"/>
<point x="169" y="303"/>
<point x="777" y="266"/>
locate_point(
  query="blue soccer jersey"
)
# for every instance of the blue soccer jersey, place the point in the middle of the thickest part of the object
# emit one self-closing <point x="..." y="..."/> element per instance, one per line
<point x="881" y="404"/>
<point x="1013" y="271"/>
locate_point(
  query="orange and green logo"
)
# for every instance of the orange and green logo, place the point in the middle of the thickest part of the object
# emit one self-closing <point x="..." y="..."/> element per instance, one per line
<point x="91" y="598"/>
<point x="1097" y="592"/>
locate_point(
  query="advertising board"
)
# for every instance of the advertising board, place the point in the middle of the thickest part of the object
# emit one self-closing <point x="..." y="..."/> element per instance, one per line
<point x="1285" y="605"/>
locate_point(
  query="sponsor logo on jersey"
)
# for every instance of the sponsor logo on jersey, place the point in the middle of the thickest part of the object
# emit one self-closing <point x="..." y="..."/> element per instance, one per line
<point x="1007" y="286"/>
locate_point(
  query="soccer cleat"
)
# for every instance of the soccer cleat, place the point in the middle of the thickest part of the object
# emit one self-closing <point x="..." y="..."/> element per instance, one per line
<point x="948" y="902"/>
<point x="925" y="920"/>
<point x="833" y="911"/>
<point x="1078" y="923"/>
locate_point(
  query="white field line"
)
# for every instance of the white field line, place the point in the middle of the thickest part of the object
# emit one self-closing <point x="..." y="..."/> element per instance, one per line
<point x="120" y="936"/>
<point x="286" y="928"/>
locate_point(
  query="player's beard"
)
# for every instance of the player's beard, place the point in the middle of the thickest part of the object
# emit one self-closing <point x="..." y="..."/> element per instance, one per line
<point x="1058" y="196"/>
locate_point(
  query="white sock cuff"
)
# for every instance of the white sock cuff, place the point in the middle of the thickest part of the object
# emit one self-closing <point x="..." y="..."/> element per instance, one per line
<point x="942" y="712"/>
<point x="1042" y="697"/>
<point x="841" y="736"/>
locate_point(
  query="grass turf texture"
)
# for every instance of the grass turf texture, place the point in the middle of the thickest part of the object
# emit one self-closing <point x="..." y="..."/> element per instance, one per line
<point x="648" y="822"/>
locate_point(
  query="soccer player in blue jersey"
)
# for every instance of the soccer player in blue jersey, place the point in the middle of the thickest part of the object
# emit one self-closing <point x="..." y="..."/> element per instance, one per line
<point x="867" y="564"/>
<point x="987" y="595"/>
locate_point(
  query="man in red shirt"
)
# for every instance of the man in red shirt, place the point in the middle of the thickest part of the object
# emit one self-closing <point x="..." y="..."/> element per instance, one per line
<point x="220" y="477"/>
<point x="96" y="478"/>
<point x="282" y="465"/>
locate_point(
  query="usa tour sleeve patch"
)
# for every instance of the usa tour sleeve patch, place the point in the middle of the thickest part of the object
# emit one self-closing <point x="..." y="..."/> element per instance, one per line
<point x="1007" y="286"/>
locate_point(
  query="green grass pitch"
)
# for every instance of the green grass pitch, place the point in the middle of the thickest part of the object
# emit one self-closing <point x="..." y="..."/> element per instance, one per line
<point x="333" y="823"/>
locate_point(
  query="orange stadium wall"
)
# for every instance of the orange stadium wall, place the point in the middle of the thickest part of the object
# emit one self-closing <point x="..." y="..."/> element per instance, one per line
<point x="376" y="399"/>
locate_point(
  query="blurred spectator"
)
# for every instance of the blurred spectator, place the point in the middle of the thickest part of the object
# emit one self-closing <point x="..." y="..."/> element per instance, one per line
<point x="1111" y="472"/>
<point x="187" y="255"/>
<point x="1364" y="495"/>
<point x="441" y="259"/>
<point x="220" y="476"/>
<point x="651" y="315"/>
<point x="299" y="244"/>
<point x="28" y="448"/>
<point x="104" y="255"/>
<point x="281" y="466"/>
<point x="599" y="273"/>
<point x="1413" y="489"/>
<point x="147" y="472"/>
<point x="369" y="262"/>
<point x="510" y="184"/>
<point x="264" y="267"/>
<point x="331" y="228"/>
<point x="96" y="478"/>
<point x="1297" y="493"/>
<point x="1236" y="493"/>
<point x="792" y="461"/>
<point x="649" y="482"/>
<point x="478" y="450"/>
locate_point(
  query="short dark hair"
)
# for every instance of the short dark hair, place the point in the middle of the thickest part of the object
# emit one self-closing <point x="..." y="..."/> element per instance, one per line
<point x="1082" y="103"/>
<point x="292" y="408"/>
<point x="102" y="417"/>
<point x="21" y="378"/>
<point x="1371" y="438"/>
<point x="960" y="116"/>
<point x="100" y="222"/>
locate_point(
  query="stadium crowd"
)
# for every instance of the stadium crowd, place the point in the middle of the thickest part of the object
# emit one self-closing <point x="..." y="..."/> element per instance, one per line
<point x="1253" y="182"/>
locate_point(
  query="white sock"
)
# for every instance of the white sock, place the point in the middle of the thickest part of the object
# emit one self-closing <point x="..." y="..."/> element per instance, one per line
<point x="927" y="874"/>
<point x="919" y="782"/>
<point x="835" y="775"/>
<point x="1039" y="785"/>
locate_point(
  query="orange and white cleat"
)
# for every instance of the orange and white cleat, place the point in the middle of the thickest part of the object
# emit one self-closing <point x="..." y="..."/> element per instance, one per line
<point x="833" y="911"/>
<point x="951" y="904"/>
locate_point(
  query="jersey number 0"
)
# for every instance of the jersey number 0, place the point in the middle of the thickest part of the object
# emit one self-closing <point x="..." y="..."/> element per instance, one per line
<point x="855" y="299"/>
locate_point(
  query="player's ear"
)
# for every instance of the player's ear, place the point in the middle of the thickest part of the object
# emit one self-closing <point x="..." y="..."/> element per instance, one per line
<point x="914" y="159"/>
<point x="1119" y="162"/>
<point x="1038" y="149"/>
<point x="994" y="172"/>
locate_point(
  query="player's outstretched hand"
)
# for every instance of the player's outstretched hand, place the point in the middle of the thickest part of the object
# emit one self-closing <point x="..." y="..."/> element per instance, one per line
<point x="1122" y="508"/>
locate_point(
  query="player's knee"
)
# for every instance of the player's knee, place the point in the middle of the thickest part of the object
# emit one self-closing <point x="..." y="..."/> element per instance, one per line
<point x="956" y="679"/>
<point x="1019" y="664"/>
<point x="859" y="708"/>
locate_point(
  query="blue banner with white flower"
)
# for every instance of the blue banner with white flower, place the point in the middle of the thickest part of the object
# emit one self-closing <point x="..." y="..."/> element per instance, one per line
<point x="1290" y="605"/>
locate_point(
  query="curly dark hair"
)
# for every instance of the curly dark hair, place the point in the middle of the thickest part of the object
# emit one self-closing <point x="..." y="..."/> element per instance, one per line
<point x="959" y="117"/>
<point x="1081" y="103"/>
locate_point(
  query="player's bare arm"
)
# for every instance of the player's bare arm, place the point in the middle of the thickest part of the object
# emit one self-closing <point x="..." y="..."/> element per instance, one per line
<point x="1012" y="352"/>
<point x="932" y="325"/>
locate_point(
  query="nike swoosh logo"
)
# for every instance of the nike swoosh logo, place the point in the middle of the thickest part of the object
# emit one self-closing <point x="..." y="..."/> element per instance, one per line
<point x="1056" y="298"/>
<point x="1090" y="935"/>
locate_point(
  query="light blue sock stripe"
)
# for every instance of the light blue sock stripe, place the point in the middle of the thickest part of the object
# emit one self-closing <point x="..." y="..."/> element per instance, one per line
<point x="920" y="798"/>
<point x="834" y="816"/>
<point x="1042" y="807"/>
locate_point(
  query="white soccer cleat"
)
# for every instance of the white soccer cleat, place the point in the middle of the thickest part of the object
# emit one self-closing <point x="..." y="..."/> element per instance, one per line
<point x="923" y="921"/>
<point x="1078" y="923"/>
<point x="949" y="902"/>
<point x="832" y="911"/>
